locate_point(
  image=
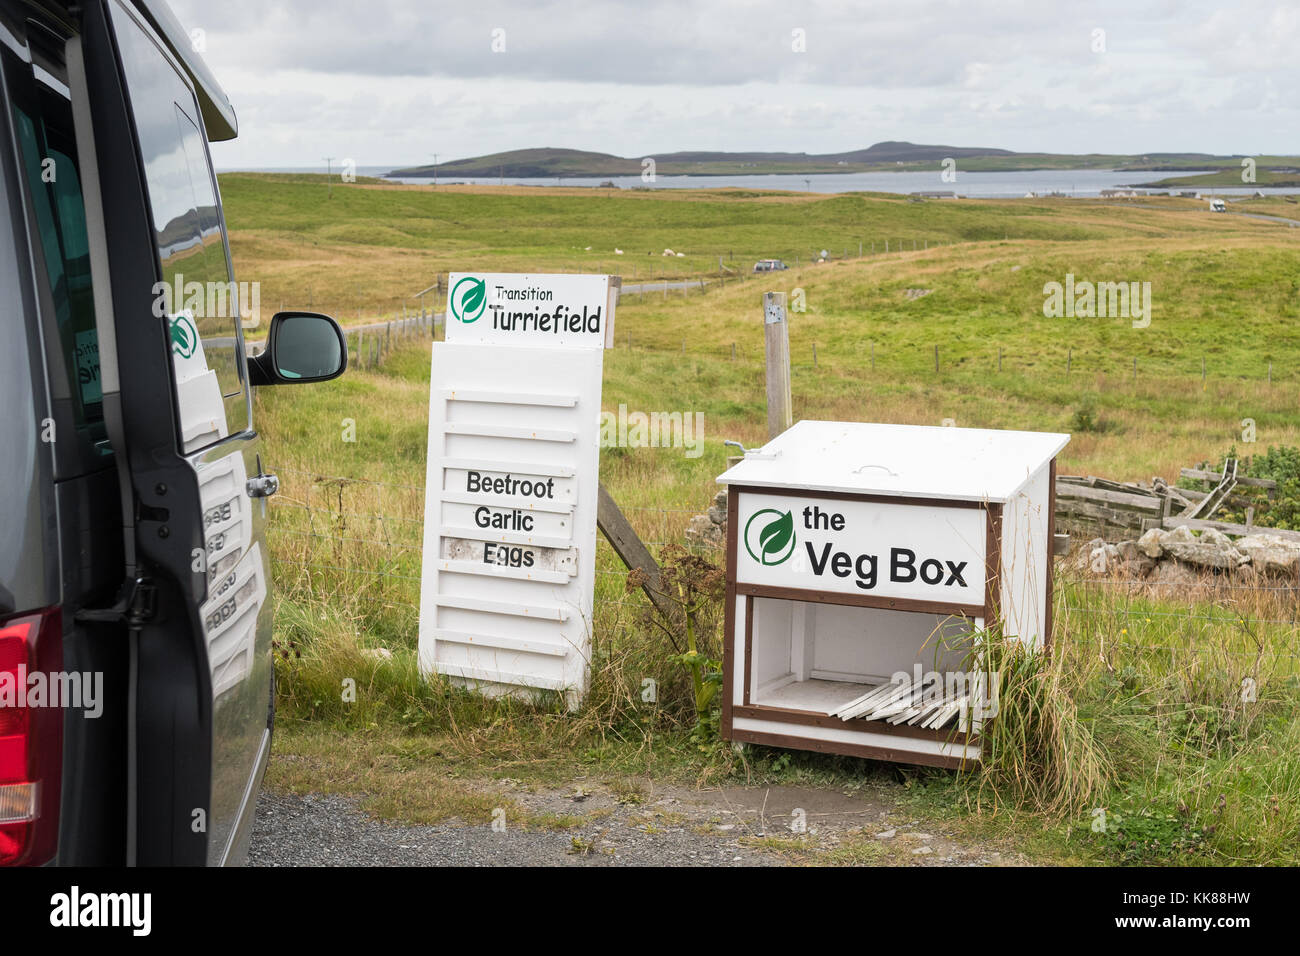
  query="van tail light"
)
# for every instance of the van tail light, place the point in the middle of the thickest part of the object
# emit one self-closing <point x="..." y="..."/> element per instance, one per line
<point x="31" y="737"/>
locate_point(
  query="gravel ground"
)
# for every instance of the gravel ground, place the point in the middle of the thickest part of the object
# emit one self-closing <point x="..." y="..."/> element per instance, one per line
<point x="331" y="831"/>
<point x="668" y="826"/>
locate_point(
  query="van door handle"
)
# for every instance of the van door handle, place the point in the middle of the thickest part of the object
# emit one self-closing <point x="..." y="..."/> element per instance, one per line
<point x="263" y="486"/>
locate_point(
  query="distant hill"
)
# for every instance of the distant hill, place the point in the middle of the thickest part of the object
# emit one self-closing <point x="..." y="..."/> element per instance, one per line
<point x="553" y="163"/>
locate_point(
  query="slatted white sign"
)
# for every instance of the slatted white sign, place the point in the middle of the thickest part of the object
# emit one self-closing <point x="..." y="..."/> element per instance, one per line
<point x="510" y="500"/>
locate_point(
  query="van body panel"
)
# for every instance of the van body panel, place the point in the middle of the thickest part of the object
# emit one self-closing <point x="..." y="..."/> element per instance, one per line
<point x="137" y="522"/>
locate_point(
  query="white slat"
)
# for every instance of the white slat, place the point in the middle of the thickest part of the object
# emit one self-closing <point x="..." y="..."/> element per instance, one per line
<point x="499" y="641"/>
<point x="499" y="677"/>
<point x="492" y="397"/>
<point x="484" y="430"/>
<point x="502" y="607"/>
<point x="501" y="571"/>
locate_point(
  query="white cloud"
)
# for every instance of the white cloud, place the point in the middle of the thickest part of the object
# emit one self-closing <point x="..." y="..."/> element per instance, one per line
<point x="393" y="81"/>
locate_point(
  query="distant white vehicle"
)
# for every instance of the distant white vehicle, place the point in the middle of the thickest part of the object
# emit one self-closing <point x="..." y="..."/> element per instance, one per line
<point x="1217" y="205"/>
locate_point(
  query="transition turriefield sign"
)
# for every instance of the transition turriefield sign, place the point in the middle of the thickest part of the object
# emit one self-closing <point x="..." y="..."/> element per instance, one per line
<point x="531" y="311"/>
<point x="510" y="497"/>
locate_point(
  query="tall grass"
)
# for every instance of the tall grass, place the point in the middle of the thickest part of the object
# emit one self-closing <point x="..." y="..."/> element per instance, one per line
<point x="1038" y="753"/>
<point x="1139" y="711"/>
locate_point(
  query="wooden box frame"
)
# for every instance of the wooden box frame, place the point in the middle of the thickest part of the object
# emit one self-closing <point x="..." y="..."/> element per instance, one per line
<point x="956" y="749"/>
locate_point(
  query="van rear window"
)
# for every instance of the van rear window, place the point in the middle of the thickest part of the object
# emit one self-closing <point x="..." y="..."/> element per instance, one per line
<point x="49" y="165"/>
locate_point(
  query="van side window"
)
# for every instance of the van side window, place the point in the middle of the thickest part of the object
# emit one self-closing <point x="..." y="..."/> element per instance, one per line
<point x="197" y="296"/>
<point x="48" y="157"/>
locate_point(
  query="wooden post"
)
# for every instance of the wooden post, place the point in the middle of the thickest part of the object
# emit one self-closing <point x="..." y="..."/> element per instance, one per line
<point x="1135" y="369"/>
<point x="1069" y="356"/>
<point x="733" y="351"/>
<point x="936" y="358"/>
<point x="631" y="551"/>
<point x="776" y="336"/>
<point x="1270" y="373"/>
<point x="999" y="358"/>
<point x="814" y="355"/>
<point x="873" y="356"/>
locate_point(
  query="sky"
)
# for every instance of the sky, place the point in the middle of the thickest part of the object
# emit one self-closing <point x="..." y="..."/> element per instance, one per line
<point x="400" y="82"/>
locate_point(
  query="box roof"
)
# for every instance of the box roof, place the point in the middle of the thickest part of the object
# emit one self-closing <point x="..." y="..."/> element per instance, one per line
<point x="962" y="464"/>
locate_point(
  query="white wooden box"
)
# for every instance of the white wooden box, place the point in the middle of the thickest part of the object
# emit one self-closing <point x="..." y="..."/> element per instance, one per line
<point x="856" y="552"/>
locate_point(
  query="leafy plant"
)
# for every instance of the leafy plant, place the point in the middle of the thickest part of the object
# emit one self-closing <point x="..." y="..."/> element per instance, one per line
<point x="1086" y="419"/>
<point x="693" y="584"/>
<point x="1136" y="832"/>
<point x="1281" y="508"/>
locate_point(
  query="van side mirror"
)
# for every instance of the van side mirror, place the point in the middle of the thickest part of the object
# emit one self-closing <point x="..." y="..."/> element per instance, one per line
<point x="301" y="347"/>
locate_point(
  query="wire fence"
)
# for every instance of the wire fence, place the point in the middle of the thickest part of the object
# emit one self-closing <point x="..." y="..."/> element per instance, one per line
<point x="1205" y="608"/>
<point x="370" y="345"/>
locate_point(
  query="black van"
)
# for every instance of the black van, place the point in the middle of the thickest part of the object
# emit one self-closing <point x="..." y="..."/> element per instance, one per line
<point x="136" y="685"/>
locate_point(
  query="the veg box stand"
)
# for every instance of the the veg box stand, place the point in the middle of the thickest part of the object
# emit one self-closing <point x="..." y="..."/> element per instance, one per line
<point x="857" y="553"/>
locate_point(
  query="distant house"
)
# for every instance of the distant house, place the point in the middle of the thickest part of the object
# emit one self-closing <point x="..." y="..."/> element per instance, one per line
<point x="1120" y="193"/>
<point x="936" y="194"/>
<point x="1189" y="194"/>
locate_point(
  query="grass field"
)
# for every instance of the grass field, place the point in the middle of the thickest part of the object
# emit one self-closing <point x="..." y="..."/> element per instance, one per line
<point x="1192" y="772"/>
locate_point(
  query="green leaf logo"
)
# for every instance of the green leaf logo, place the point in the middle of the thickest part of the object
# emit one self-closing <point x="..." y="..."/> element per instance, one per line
<point x="467" y="299"/>
<point x="769" y="536"/>
<point x="184" y="336"/>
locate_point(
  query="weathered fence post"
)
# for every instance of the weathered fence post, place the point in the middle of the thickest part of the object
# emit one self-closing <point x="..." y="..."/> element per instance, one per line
<point x="632" y="551"/>
<point x="776" y="335"/>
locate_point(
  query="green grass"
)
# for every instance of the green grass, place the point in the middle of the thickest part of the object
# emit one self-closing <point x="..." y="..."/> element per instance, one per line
<point x="1185" y="771"/>
<point x="1231" y="177"/>
<point x="372" y="247"/>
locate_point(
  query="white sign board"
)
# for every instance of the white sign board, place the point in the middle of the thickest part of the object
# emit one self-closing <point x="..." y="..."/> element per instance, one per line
<point x="862" y="548"/>
<point x="511" y="490"/>
<point x="532" y="311"/>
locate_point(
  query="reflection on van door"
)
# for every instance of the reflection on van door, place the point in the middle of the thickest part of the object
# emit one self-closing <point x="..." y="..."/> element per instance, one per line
<point x="198" y="308"/>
